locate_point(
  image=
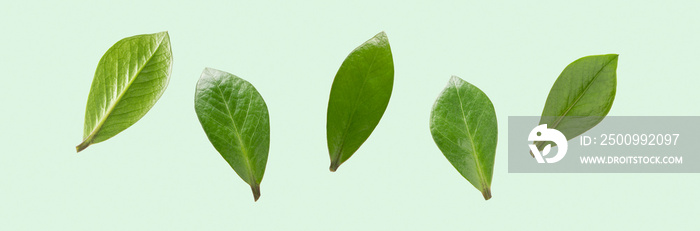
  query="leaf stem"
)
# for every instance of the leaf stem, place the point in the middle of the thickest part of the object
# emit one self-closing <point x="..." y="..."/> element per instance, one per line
<point x="256" y="191"/>
<point x="82" y="146"/>
<point x="487" y="193"/>
<point x="335" y="164"/>
<point x="539" y="144"/>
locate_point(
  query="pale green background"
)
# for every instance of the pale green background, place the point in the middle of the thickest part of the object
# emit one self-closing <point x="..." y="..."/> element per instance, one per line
<point x="163" y="174"/>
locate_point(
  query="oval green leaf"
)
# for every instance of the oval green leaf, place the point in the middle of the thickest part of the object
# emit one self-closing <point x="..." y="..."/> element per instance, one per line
<point x="581" y="97"/>
<point x="464" y="127"/>
<point x="235" y="118"/>
<point x="359" y="96"/>
<point x="130" y="78"/>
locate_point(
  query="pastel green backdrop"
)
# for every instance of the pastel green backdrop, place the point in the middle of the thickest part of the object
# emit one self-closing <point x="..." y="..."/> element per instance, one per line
<point x="163" y="174"/>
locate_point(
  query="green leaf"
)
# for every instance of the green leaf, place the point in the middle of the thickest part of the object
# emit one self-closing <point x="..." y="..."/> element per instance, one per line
<point x="581" y="97"/>
<point x="463" y="125"/>
<point x="359" y="96"/>
<point x="130" y="78"/>
<point x="234" y="116"/>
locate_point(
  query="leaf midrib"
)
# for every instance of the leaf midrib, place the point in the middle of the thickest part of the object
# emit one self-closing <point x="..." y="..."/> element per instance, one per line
<point x="471" y="141"/>
<point x="595" y="77"/>
<point x="132" y="79"/>
<point x="354" y="108"/>
<point x="238" y="136"/>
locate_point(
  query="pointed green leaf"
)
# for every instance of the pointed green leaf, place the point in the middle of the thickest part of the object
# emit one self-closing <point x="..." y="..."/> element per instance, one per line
<point x="359" y="96"/>
<point x="581" y="97"/>
<point x="463" y="125"/>
<point x="130" y="78"/>
<point x="235" y="118"/>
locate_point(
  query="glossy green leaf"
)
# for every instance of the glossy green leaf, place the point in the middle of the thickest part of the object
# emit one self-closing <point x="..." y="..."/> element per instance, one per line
<point x="235" y="118"/>
<point x="463" y="125"/>
<point x="359" y="96"/>
<point x="130" y="78"/>
<point x="581" y="97"/>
